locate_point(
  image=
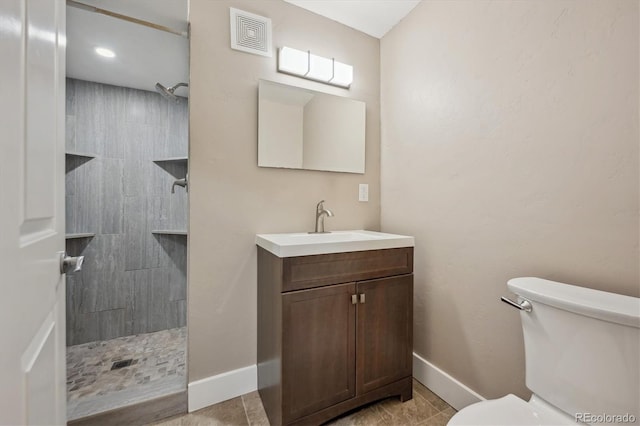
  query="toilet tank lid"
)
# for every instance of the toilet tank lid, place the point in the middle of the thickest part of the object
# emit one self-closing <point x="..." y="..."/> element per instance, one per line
<point x="598" y="304"/>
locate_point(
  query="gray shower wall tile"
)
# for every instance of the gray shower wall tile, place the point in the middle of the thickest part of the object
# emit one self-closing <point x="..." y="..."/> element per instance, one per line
<point x="164" y="260"/>
<point x="69" y="213"/>
<point x="111" y="324"/>
<point x="71" y="302"/>
<point x="178" y="129"/>
<point x="165" y="182"/>
<point x="137" y="303"/>
<point x="174" y="253"/>
<point x="179" y="211"/>
<point x="72" y="310"/>
<point x="158" y="300"/>
<point x="136" y="162"/>
<point x="70" y="96"/>
<point x="165" y="177"/>
<point x="104" y="254"/>
<point x="135" y="227"/>
<point x="142" y="176"/>
<point x="112" y="291"/>
<point x="181" y="308"/>
<point x="177" y="313"/>
<point x="70" y="133"/>
<point x="85" y="183"/>
<point x="157" y="218"/>
<point x="84" y="328"/>
<point x="70" y="177"/>
<point x="132" y="282"/>
<point x="99" y="117"/>
<point x="72" y="163"/>
<point x="114" y="132"/>
<point x="99" y="281"/>
<point x="111" y="196"/>
<point x="177" y="285"/>
<point x="141" y="216"/>
<point x="146" y="108"/>
<point x="87" y="292"/>
<point x="90" y="117"/>
<point x="100" y="291"/>
<point x="160" y="181"/>
<point x="149" y="307"/>
<point x="174" y="262"/>
<point x="159" y="207"/>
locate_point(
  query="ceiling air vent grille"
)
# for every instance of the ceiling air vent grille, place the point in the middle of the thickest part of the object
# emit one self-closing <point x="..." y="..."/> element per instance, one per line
<point x="250" y="33"/>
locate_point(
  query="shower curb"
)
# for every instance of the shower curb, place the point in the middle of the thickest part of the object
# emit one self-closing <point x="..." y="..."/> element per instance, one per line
<point x="137" y="414"/>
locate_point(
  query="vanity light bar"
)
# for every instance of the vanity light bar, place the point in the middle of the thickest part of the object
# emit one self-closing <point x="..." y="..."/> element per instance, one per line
<point x="313" y="67"/>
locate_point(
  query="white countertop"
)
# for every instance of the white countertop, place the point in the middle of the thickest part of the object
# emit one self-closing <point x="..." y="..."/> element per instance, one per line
<point x="305" y="244"/>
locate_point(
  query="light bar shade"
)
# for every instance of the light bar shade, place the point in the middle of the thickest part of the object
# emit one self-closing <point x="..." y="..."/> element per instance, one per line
<point x="313" y="67"/>
<point x="343" y="74"/>
<point x="293" y="61"/>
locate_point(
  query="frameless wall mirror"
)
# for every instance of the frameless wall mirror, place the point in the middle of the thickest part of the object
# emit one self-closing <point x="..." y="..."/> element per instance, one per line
<point x="304" y="129"/>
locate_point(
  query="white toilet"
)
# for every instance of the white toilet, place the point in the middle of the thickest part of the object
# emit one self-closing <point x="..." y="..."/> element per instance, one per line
<point x="582" y="350"/>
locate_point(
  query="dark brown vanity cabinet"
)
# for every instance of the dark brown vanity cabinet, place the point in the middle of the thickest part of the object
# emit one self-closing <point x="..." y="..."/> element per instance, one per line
<point x="334" y="332"/>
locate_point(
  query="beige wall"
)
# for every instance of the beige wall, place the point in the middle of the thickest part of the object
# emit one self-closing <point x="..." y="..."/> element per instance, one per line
<point x="231" y="199"/>
<point x="509" y="148"/>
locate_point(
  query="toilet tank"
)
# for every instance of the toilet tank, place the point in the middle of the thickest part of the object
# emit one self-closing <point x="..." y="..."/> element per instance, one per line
<point x="582" y="349"/>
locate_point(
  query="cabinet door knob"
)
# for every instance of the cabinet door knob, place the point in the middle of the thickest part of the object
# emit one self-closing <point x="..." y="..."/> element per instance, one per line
<point x="354" y="299"/>
<point x="361" y="297"/>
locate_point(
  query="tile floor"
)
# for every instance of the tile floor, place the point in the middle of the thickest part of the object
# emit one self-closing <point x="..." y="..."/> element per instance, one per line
<point x="158" y="368"/>
<point x="425" y="409"/>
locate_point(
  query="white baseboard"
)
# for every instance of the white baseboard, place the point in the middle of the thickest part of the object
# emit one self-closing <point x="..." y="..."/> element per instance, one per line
<point x="214" y="389"/>
<point x="455" y="393"/>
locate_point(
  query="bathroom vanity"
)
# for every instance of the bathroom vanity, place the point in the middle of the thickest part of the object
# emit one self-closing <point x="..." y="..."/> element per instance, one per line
<point x="335" y="320"/>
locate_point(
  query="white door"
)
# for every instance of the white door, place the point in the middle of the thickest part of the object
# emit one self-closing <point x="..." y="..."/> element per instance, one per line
<point x="32" y="289"/>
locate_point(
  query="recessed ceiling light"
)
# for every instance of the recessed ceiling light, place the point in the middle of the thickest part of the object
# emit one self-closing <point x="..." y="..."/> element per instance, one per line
<point x="105" y="52"/>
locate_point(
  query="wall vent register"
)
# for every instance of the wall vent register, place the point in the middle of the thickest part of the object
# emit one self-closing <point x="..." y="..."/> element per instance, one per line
<point x="250" y="33"/>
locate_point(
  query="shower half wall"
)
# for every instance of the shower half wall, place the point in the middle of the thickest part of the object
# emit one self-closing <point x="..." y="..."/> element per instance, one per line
<point x="125" y="148"/>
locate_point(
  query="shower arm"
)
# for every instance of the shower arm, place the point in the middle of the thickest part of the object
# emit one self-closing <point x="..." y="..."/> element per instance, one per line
<point x="180" y="85"/>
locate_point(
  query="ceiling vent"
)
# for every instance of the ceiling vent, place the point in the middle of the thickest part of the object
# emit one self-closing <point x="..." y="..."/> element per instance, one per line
<point x="250" y="33"/>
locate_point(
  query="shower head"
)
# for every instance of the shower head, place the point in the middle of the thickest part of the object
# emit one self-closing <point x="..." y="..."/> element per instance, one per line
<point x="168" y="93"/>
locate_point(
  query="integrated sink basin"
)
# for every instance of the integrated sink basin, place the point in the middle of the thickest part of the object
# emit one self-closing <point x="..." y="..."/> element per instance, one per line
<point x="305" y="244"/>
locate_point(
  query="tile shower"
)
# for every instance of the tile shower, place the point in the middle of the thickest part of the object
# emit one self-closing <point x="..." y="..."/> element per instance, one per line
<point x="125" y="148"/>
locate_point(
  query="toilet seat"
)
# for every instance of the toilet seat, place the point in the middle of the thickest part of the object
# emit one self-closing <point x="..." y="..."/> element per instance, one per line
<point x="511" y="411"/>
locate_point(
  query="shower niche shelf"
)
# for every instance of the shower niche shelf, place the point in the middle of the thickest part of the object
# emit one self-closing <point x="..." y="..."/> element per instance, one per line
<point x="79" y="154"/>
<point x="182" y="232"/>
<point x="172" y="160"/>
<point x="77" y="235"/>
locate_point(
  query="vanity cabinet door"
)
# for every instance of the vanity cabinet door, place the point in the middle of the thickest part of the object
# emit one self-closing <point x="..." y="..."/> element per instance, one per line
<point x="385" y="331"/>
<point x="318" y="349"/>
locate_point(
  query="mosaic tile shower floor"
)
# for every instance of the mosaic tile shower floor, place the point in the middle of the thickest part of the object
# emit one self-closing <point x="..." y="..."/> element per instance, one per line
<point x="157" y="369"/>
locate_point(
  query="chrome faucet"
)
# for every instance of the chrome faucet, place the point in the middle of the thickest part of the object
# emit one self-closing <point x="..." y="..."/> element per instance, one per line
<point x="321" y="212"/>
<point x="180" y="182"/>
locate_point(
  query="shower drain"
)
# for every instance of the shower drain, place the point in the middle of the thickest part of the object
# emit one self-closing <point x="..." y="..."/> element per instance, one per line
<point x="121" y="364"/>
